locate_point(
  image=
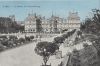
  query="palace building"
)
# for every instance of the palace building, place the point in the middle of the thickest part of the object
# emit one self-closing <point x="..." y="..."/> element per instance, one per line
<point x="73" y="20"/>
<point x="37" y="23"/>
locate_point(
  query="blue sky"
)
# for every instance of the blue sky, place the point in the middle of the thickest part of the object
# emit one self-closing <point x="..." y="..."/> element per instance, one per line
<point x="45" y="7"/>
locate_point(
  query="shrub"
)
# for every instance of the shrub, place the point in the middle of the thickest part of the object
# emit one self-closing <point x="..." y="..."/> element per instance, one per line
<point x="1" y="47"/>
<point x="12" y="38"/>
<point x="59" y="39"/>
<point x="3" y="37"/>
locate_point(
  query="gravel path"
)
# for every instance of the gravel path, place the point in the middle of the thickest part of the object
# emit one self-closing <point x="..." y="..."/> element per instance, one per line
<point x="21" y="56"/>
<point x="24" y="56"/>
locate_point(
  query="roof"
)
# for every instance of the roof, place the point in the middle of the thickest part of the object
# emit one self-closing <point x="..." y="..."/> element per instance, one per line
<point x="73" y="15"/>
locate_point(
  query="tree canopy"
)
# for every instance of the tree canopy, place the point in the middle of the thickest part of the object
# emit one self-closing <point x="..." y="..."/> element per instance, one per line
<point x="92" y="25"/>
<point x="47" y="47"/>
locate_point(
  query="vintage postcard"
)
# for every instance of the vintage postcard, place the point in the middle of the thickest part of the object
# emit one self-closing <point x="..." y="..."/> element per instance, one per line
<point x="49" y="32"/>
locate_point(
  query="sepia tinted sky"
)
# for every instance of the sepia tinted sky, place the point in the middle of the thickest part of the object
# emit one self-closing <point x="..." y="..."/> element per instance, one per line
<point x="46" y="7"/>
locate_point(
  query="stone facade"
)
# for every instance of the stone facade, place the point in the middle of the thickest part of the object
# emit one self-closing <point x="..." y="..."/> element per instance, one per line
<point x="30" y="23"/>
<point x="73" y="20"/>
<point x="52" y="25"/>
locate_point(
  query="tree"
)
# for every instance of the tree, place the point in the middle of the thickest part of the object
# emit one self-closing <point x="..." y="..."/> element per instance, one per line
<point x="46" y="49"/>
<point x="27" y="38"/>
<point x="7" y="25"/>
<point x="31" y="37"/>
<point x="59" y="40"/>
<point x="96" y="17"/>
<point x="79" y="33"/>
<point x="38" y="24"/>
<point x="21" y="40"/>
<point x="65" y="35"/>
<point x="92" y="25"/>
